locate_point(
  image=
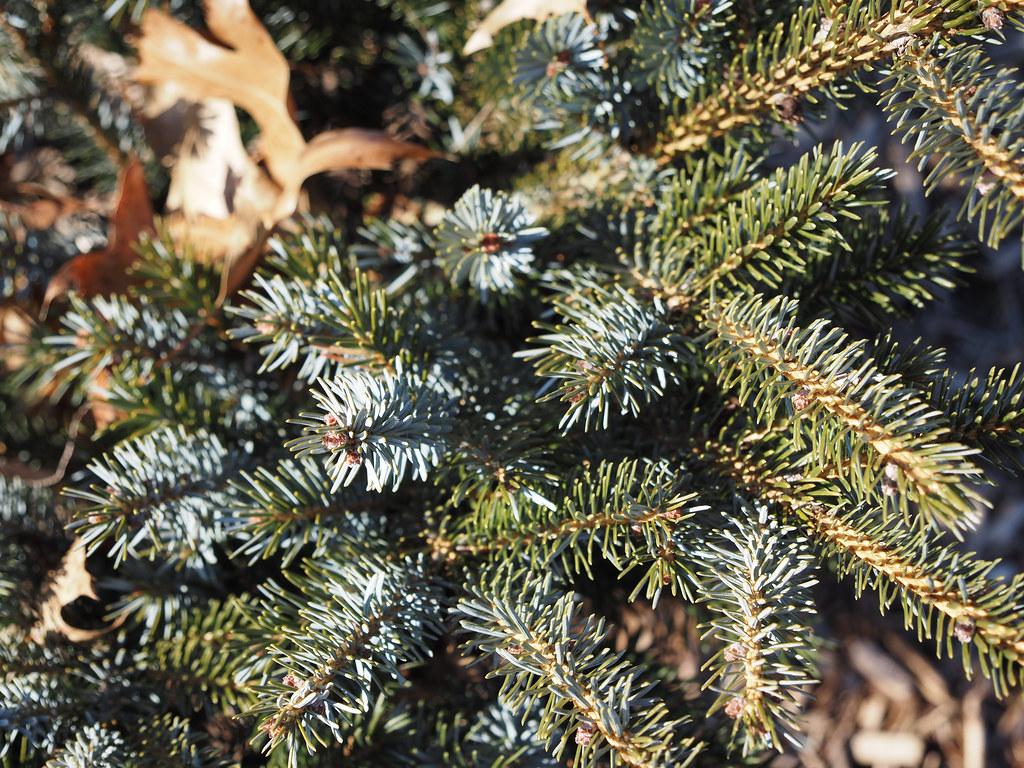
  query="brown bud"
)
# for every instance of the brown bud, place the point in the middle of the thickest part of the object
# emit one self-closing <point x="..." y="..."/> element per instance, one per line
<point x="330" y="420"/>
<point x="734" y="708"/>
<point x="735" y="652"/>
<point x="801" y="399"/>
<point x="993" y="18"/>
<point x="890" y="480"/>
<point x="559" y="63"/>
<point x="352" y="457"/>
<point x="789" y="109"/>
<point x="333" y="441"/>
<point x="964" y="628"/>
<point x="271" y="727"/>
<point x="291" y="681"/>
<point x="491" y="242"/>
<point x="585" y="733"/>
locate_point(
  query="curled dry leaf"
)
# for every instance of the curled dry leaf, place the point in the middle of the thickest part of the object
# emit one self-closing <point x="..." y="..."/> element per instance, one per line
<point x="15" y="331"/>
<point x="71" y="581"/>
<point x="103" y="413"/>
<point x="357" y="148"/>
<point x="105" y="271"/>
<point x="510" y="11"/>
<point x="42" y="213"/>
<point x="246" y="70"/>
<point x="219" y="196"/>
<point x="221" y="201"/>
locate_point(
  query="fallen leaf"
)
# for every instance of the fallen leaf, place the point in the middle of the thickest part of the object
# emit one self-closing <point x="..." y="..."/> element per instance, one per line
<point x="105" y="271"/>
<point x="70" y="581"/>
<point x="210" y="163"/>
<point x="103" y="413"/>
<point x="251" y="73"/>
<point x="41" y="214"/>
<point x="221" y="201"/>
<point x="219" y="197"/>
<point x="510" y="11"/>
<point x="348" y="148"/>
<point x="15" y="331"/>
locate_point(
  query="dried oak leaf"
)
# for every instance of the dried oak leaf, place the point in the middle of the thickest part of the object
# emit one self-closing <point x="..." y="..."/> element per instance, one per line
<point x="70" y="581"/>
<point x="219" y="196"/>
<point x="106" y="271"/>
<point x="15" y="332"/>
<point x="241" y="65"/>
<point x="42" y="213"/>
<point x="510" y="11"/>
<point x="103" y="413"/>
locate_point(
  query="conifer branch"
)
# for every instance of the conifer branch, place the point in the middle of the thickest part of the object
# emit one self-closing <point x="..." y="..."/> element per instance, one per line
<point x="197" y="662"/>
<point x="945" y="593"/>
<point x="330" y="322"/>
<point x="545" y="653"/>
<point x="502" y="465"/>
<point x="70" y="81"/>
<point x="759" y="595"/>
<point x="823" y="375"/>
<point x="95" y="746"/>
<point x="676" y="39"/>
<point x="161" y="493"/>
<point x="285" y="509"/>
<point x="108" y="332"/>
<point x="801" y="57"/>
<point x="633" y="513"/>
<point x="770" y="229"/>
<point x="893" y="265"/>
<point x="984" y="412"/>
<point x="612" y="354"/>
<point x="195" y="396"/>
<point x="958" y="111"/>
<point x="347" y="629"/>
<point x="654" y="242"/>
<point x="386" y="424"/>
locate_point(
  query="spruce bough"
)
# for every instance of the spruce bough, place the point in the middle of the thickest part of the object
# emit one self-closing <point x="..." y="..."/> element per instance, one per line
<point x="416" y="447"/>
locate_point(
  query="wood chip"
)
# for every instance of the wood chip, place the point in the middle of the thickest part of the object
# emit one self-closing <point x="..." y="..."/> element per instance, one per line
<point x="880" y="670"/>
<point x="887" y="749"/>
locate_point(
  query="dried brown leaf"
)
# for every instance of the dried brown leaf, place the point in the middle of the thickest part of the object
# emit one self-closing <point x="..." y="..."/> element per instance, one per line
<point x="221" y="201"/>
<point x="510" y="11"/>
<point x="71" y="581"/>
<point x="106" y="271"/>
<point x="251" y="73"/>
<point x="15" y="331"/>
<point x="348" y="148"/>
